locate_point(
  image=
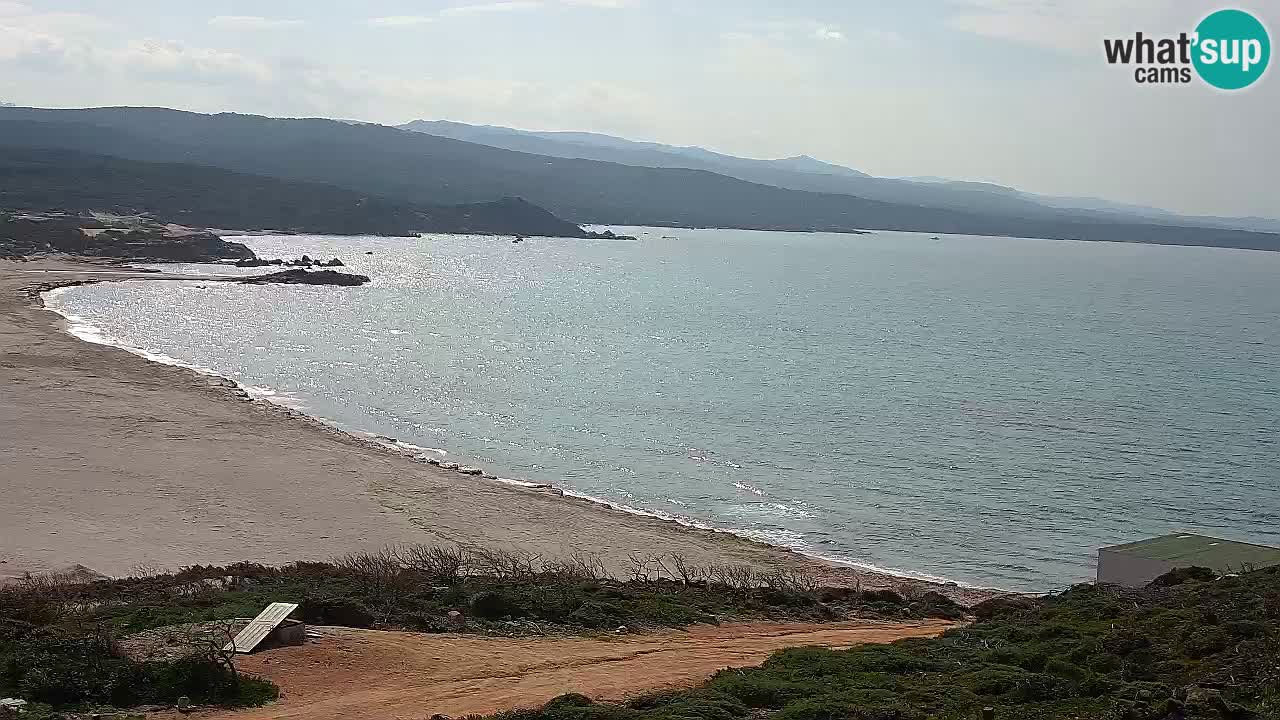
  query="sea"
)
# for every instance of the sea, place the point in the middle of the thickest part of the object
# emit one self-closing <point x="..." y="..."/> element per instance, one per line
<point x="982" y="410"/>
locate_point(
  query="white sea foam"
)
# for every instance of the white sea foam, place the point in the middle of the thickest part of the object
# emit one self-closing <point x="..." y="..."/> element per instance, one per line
<point x="85" y="330"/>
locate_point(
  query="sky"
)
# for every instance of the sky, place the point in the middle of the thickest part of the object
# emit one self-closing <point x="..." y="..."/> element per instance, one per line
<point x="1015" y="92"/>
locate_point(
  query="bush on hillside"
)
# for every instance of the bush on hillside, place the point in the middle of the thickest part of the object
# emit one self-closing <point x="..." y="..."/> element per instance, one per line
<point x="1178" y="576"/>
<point x="1203" y="649"/>
<point x="58" y="634"/>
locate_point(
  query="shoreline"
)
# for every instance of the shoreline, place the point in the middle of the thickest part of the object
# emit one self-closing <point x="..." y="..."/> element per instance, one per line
<point x="703" y="544"/>
<point x="417" y="452"/>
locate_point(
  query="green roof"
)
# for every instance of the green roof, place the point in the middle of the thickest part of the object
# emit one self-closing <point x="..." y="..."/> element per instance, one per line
<point x="1189" y="549"/>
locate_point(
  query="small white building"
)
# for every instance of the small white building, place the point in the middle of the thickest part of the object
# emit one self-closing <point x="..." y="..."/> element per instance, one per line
<point x="1137" y="563"/>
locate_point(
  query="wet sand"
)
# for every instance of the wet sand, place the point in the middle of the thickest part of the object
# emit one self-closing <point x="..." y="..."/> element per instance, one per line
<point x="116" y="463"/>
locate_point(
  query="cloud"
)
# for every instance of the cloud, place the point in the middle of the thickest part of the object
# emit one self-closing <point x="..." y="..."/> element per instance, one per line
<point x="393" y="21"/>
<point x="880" y="36"/>
<point x="75" y="43"/>
<point x="31" y="47"/>
<point x="17" y="14"/>
<point x="611" y="4"/>
<point x="46" y="41"/>
<point x="251" y="22"/>
<point x="509" y="6"/>
<point x="396" y="21"/>
<point x="793" y="31"/>
<point x="173" y="61"/>
<point x="1072" y="28"/>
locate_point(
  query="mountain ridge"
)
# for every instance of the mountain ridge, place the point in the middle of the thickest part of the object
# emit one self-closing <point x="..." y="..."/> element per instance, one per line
<point x="928" y="191"/>
<point x="420" y="169"/>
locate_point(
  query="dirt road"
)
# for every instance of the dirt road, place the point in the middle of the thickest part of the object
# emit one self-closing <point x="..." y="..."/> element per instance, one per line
<point x="355" y="675"/>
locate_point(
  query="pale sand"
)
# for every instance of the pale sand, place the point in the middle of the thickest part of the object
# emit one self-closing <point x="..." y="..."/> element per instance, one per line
<point x="116" y="463"/>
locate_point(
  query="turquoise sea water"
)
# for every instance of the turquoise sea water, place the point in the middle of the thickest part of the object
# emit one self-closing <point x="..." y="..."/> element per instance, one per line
<point x="986" y="410"/>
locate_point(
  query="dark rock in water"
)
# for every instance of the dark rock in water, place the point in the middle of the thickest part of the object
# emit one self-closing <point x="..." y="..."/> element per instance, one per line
<point x="304" y="277"/>
<point x="608" y="235"/>
<point x="368" y="252"/>
<point x="303" y="262"/>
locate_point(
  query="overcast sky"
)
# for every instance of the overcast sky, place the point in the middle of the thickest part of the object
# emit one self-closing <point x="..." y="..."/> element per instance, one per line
<point x="1009" y="91"/>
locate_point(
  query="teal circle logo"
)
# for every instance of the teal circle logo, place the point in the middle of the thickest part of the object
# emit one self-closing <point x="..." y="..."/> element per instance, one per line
<point x="1232" y="49"/>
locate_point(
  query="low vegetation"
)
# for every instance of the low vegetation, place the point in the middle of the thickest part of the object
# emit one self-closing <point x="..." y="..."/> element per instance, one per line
<point x="1185" y="647"/>
<point x="60" y="638"/>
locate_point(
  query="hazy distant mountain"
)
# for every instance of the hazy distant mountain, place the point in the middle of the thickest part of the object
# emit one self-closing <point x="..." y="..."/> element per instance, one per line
<point x="804" y="163"/>
<point x="422" y="169"/>
<point x="798" y="173"/>
<point x="807" y="173"/>
<point x="595" y="146"/>
<point x="1077" y="203"/>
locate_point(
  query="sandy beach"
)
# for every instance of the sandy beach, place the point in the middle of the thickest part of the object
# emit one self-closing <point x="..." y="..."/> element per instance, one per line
<point x="116" y="463"/>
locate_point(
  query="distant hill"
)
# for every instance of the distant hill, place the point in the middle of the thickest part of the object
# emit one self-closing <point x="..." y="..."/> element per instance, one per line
<point x="797" y="173"/>
<point x="199" y="196"/>
<point x="807" y="173"/>
<point x="421" y="169"/>
<point x="609" y="148"/>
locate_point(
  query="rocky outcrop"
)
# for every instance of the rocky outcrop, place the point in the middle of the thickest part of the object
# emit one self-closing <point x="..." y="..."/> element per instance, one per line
<point x="303" y="262"/>
<point x="299" y="276"/>
<point x="140" y="240"/>
<point x="608" y="235"/>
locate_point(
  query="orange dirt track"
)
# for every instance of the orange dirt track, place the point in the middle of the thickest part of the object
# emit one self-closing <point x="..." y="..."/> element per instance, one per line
<point x="354" y="674"/>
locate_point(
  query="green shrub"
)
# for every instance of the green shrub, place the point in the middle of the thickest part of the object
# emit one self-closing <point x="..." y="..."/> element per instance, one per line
<point x="826" y="708"/>
<point x="992" y="681"/>
<point x="1178" y="576"/>
<point x="491" y="605"/>
<point x="1004" y="605"/>
<point x="936" y="605"/>
<point x="595" y="614"/>
<point x="705" y="704"/>
<point x="1038" y="687"/>
<point x="344" y="611"/>
<point x="883" y="596"/>
<point x="1090" y="653"/>
<point x="1245" y="628"/>
<point x="568" y="700"/>
<point x="1206" y="641"/>
<point x="758" y="690"/>
<point x="1065" y="669"/>
<point x="61" y="669"/>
